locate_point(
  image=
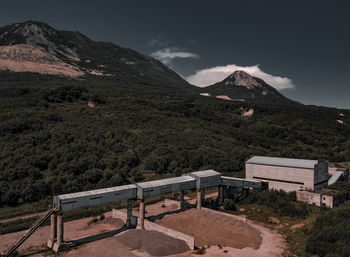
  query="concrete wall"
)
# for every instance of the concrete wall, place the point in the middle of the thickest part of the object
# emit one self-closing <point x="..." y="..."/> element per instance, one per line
<point x="327" y="200"/>
<point x="170" y="232"/>
<point x="305" y="176"/>
<point x="214" y="212"/>
<point x="321" y="175"/>
<point x="319" y="199"/>
<point x="153" y="226"/>
<point x="309" y="197"/>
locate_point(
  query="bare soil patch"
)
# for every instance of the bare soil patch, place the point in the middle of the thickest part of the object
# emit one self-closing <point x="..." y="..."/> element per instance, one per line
<point x="152" y="242"/>
<point x="213" y="229"/>
<point x="72" y="230"/>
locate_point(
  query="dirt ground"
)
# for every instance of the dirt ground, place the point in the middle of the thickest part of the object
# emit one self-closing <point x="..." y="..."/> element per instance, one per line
<point x="213" y="229"/>
<point x="72" y="230"/>
<point x="223" y="233"/>
<point x="272" y="246"/>
<point x="153" y="242"/>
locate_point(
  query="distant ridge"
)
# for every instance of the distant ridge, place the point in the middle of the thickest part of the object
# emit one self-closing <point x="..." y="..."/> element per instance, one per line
<point x="34" y="46"/>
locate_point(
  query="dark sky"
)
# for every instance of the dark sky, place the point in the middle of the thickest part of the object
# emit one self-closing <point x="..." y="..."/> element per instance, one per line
<point x="305" y="41"/>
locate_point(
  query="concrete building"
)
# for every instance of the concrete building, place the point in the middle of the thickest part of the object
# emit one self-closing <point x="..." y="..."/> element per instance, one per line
<point x="324" y="197"/>
<point x="288" y="174"/>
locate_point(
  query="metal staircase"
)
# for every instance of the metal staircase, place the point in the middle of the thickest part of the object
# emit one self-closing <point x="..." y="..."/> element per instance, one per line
<point x="29" y="232"/>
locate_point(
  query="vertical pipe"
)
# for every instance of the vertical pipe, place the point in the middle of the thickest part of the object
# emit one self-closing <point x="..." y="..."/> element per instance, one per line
<point x="60" y="228"/>
<point x="199" y="199"/>
<point x="129" y="213"/>
<point x="142" y="215"/>
<point x="182" y="199"/>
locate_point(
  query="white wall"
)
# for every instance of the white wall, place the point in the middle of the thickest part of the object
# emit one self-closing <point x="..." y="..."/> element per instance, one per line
<point x="305" y="176"/>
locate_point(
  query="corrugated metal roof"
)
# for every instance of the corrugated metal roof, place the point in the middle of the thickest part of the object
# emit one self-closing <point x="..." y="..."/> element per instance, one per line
<point x="96" y="192"/>
<point x="286" y="162"/>
<point x="205" y="173"/>
<point x="164" y="182"/>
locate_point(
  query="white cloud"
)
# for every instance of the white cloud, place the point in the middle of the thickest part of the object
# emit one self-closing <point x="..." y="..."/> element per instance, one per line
<point x="210" y="76"/>
<point x="166" y="55"/>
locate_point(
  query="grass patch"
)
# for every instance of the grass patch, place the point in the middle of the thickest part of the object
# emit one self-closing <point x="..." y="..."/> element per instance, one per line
<point x="27" y="208"/>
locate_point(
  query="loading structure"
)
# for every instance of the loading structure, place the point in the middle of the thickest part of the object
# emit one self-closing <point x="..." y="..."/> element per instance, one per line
<point x="161" y="187"/>
<point x="204" y="179"/>
<point x="199" y="181"/>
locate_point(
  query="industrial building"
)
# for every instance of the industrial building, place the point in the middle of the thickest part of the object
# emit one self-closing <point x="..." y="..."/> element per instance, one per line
<point x="199" y="181"/>
<point x="324" y="197"/>
<point x="288" y="174"/>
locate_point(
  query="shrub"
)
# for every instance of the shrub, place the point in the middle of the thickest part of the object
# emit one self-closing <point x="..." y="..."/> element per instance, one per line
<point x="229" y="205"/>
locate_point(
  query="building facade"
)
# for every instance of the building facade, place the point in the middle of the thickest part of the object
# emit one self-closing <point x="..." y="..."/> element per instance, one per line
<point x="323" y="197"/>
<point x="288" y="174"/>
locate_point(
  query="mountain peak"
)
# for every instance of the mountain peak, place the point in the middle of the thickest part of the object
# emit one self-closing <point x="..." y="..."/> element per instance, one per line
<point x="243" y="79"/>
<point x="34" y="46"/>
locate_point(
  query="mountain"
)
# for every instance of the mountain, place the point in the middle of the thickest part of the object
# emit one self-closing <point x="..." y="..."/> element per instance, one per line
<point x="240" y="86"/>
<point x="36" y="47"/>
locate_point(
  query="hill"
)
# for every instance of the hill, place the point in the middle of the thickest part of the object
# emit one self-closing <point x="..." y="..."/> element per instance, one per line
<point x="36" y="47"/>
<point x="52" y="142"/>
<point x="240" y="86"/>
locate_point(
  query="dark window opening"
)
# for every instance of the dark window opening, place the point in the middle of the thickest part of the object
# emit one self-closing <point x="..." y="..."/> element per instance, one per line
<point x="280" y="180"/>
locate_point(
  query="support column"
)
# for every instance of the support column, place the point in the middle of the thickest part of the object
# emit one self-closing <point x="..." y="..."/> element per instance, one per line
<point x="220" y="195"/>
<point x="182" y="199"/>
<point x="203" y="195"/>
<point x="129" y="213"/>
<point x="199" y="199"/>
<point x="60" y="232"/>
<point x="142" y="215"/>
<point x="53" y="230"/>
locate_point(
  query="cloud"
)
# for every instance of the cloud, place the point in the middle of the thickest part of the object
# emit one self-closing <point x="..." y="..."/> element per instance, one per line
<point x="212" y="75"/>
<point x="155" y="41"/>
<point x="166" y="55"/>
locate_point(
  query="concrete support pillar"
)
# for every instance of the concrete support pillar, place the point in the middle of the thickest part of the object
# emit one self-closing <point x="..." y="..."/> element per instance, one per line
<point x="203" y="195"/>
<point x="60" y="229"/>
<point x="199" y="199"/>
<point x="60" y="233"/>
<point x="220" y="195"/>
<point x="142" y="215"/>
<point x="182" y="199"/>
<point x="129" y="213"/>
<point x="53" y="230"/>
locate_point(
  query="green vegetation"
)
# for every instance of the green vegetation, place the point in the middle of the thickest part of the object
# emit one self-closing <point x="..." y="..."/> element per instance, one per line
<point x="229" y="205"/>
<point x="26" y="208"/>
<point x="52" y="142"/>
<point x="330" y="234"/>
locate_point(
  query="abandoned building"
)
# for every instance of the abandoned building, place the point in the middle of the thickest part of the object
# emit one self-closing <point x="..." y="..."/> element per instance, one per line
<point x="324" y="197"/>
<point x="288" y="174"/>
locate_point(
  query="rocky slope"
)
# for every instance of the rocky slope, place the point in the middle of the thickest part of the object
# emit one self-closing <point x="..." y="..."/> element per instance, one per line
<point x="240" y="86"/>
<point x="36" y="47"/>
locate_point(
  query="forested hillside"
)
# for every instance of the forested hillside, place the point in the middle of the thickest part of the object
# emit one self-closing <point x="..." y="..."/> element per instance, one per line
<point x="52" y="142"/>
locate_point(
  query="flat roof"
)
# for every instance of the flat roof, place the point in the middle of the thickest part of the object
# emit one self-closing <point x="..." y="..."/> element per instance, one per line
<point x="96" y="192"/>
<point x="241" y="179"/>
<point x="165" y="182"/>
<point x="205" y="173"/>
<point x="286" y="162"/>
